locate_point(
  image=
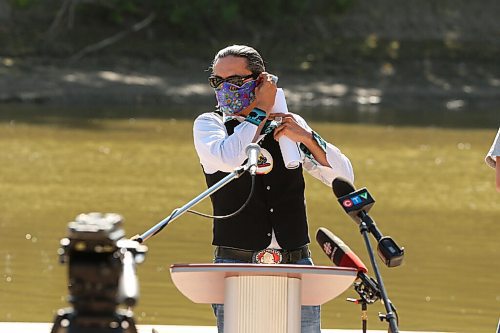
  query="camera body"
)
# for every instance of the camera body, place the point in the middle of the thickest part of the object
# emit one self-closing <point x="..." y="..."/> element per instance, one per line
<point x="101" y="275"/>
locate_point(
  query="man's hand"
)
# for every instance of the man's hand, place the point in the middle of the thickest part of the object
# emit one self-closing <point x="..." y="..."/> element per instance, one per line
<point x="290" y="128"/>
<point x="265" y="92"/>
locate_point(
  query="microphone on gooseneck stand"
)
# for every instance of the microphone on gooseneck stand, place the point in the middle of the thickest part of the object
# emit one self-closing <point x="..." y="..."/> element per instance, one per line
<point x="368" y="289"/>
<point x="357" y="204"/>
<point x="341" y="255"/>
<point x="253" y="152"/>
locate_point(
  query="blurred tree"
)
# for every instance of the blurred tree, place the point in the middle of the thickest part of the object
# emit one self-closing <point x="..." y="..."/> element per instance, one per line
<point x="5" y="11"/>
<point x="320" y="31"/>
<point x="75" y="28"/>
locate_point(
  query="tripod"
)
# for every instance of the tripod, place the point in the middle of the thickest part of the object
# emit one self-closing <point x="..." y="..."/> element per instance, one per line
<point x="69" y="321"/>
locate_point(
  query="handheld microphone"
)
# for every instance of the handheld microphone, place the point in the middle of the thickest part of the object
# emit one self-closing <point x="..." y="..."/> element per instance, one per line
<point x="253" y="152"/>
<point x="338" y="252"/>
<point x="341" y="255"/>
<point x="357" y="204"/>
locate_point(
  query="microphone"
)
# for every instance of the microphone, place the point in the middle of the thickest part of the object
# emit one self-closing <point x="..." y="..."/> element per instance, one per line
<point x="338" y="252"/>
<point x="357" y="204"/>
<point x="341" y="255"/>
<point x="253" y="152"/>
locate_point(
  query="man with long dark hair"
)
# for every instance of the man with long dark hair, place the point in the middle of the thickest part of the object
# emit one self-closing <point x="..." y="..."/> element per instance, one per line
<point x="273" y="226"/>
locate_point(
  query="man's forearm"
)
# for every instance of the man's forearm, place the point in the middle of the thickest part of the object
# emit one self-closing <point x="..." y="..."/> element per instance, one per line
<point x="318" y="152"/>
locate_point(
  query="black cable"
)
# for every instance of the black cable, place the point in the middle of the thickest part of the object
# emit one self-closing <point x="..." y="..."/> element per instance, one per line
<point x="252" y="189"/>
<point x="166" y="222"/>
<point x="222" y="217"/>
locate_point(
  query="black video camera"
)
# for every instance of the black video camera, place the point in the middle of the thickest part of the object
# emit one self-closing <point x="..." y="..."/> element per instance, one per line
<point x="101" y="275"/>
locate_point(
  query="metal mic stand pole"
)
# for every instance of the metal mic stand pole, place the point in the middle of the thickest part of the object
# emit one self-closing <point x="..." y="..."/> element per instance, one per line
<point x="179" y="211"/>
<point x="390" y="317"/>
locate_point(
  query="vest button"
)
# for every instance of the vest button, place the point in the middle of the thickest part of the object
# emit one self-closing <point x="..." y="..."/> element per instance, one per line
<point x="269" y="234"/>
<point x="271" y="210"/>
<point x="268" y="187"/>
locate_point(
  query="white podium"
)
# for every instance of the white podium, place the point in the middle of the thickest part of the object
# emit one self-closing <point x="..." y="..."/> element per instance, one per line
<point x="261" y="297"/>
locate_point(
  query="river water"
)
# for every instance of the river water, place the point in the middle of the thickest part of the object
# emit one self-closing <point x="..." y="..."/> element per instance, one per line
<point x="56" y="162"/>
<point x="441" y="114"/>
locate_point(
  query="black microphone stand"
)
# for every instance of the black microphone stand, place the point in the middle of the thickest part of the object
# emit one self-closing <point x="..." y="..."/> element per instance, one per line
<point x="364" y="308"/>
<point x="369" y="293"/>
<point x="364" y="227"/>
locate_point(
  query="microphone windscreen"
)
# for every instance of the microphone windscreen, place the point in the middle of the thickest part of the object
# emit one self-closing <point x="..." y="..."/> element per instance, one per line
<point x="338" y="252"/>
<point x="252" y="146"/>
<point x="341" y="187"/>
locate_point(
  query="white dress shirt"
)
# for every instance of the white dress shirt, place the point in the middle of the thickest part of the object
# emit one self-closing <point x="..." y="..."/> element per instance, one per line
<point x="219" y="151"/>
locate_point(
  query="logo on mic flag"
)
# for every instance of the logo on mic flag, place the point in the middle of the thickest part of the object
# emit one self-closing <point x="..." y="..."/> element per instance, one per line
<point x="347" y="203"/>
<point x="357" y="200"/>
<point x="327" y="247"/>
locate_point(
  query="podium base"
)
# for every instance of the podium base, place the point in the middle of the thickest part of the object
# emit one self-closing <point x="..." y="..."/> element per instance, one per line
<point x="269" y="304"/>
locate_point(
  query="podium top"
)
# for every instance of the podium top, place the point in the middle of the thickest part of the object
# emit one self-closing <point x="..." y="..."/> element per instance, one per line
<point x="204" y="283"/>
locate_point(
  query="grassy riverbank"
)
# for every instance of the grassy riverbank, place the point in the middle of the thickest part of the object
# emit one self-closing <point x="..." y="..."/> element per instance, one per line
<point x="435" y="196"/>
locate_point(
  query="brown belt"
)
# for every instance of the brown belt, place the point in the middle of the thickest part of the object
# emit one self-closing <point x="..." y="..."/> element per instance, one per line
<point x="266" y="256"/>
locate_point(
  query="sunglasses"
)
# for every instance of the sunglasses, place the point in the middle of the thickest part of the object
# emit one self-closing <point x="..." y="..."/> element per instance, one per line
<point x="216" y="81"/>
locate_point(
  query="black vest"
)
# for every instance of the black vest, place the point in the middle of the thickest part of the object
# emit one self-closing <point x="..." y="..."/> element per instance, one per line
<point x="278" y="203"/>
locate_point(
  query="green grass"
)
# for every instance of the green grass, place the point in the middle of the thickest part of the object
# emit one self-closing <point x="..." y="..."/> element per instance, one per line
<point x="435" y="196"/>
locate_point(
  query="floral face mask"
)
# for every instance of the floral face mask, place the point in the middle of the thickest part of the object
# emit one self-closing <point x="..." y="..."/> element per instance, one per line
<point x="233" y="99"/>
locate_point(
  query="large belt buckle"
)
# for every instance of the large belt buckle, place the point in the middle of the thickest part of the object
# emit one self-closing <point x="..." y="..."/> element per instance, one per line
<point x="267" y="256"/>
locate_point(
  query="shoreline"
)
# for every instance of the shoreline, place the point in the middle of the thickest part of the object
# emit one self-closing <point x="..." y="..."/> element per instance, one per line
<point x="136" y="83"/>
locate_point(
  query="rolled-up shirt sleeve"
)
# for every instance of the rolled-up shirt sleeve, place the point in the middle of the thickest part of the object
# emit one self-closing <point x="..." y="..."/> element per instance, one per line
<point x="217" y="150"/>
<point x="340" y="166"/>
<point x="494" y="151"/>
